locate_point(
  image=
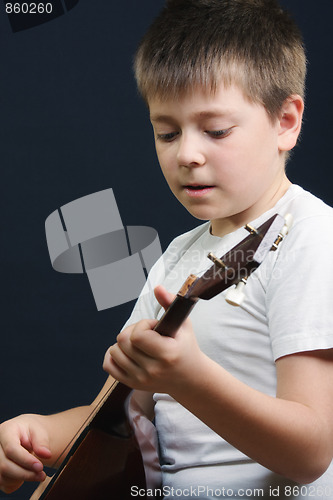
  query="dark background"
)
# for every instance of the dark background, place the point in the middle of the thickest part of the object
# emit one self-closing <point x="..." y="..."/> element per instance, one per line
<point x="71" y="123"/>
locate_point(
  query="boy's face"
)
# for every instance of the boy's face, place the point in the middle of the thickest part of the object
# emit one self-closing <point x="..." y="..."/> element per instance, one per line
<point x="220" y="155"/>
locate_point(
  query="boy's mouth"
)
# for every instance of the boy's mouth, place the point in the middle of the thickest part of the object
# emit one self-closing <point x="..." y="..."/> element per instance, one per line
<point x="198" y="189"/>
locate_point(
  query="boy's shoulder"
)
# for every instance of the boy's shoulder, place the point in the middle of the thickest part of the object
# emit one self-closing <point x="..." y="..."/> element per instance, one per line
<point x="304" y="206"/>
<point x="312" y="226"/>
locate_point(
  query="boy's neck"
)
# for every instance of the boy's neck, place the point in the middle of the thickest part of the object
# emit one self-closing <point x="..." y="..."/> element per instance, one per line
<point x="221" y="227"/>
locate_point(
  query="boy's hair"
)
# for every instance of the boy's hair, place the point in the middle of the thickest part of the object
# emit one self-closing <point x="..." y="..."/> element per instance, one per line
<point x="201" y="43"/>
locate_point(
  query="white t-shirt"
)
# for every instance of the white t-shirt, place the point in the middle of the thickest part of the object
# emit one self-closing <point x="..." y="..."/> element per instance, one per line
<point x="288" y="309"/>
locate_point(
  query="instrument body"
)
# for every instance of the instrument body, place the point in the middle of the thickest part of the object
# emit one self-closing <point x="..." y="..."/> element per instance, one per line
<point x="110" y="455"/>
<point x="118" y="447"/>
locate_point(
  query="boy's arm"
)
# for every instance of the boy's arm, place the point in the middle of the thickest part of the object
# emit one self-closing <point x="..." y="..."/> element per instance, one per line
<point x="291" y="434"/>
<point x="30" y="441"/>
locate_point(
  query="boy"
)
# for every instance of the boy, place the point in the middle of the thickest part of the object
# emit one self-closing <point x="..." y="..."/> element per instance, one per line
<point x="243" y="396"/>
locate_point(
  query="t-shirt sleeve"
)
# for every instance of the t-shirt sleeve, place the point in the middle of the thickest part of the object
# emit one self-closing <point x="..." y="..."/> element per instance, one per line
<point x="300" y="291"/>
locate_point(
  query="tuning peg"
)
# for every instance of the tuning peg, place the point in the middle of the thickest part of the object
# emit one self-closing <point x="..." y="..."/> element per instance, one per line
<point x="216" y="261"/>
<point x="288" y="222"/>
<point x="251" y="229"/>
<point x="236" y="295"/>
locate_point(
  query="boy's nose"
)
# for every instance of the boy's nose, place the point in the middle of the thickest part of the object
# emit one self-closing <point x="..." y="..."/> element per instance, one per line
<point x="189" y="152"/>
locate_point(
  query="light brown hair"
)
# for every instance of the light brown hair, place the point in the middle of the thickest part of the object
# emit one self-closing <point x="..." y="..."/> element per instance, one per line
<point x="201" y="43"/>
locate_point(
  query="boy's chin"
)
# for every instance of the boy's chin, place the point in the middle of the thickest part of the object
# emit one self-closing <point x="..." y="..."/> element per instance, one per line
<point x="202" y="211"/>
<point x="198" y="214"/>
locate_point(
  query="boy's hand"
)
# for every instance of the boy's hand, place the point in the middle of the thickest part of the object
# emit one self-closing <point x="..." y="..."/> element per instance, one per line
<point x="23" y="441"/>
<point x="144" y="359"/>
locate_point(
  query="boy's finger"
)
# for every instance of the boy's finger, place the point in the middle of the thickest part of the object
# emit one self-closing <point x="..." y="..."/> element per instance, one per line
<point x="19" y="453"/>
<point x="164" y="297"/>
<point x="42" y="451"/>
<point x="22" y="458"/>
<point x="40" y="444"/>
<point x="36" y="443"/>
<point x="14" y="475"/>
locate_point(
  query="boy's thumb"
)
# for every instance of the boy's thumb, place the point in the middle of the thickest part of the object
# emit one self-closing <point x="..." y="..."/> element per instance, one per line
<point x="42" y="451"/>
<point x="164" y="297"/>
<point x="40" y="445"/>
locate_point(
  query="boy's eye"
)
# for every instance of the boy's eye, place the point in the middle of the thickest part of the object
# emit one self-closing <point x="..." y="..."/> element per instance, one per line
<point x="167" y="137"/>
<point x="219" y="134"/>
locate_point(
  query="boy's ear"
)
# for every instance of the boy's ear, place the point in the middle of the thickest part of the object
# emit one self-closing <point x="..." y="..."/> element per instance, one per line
<point x="290" y="122"/>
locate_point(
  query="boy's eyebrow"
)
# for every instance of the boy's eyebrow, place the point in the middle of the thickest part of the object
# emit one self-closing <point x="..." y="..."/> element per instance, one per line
<point x="218" y="113"/>
<point x="160" y="118"/>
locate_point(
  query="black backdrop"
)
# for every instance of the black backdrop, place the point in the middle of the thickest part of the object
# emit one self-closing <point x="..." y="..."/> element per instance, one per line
<point x="71" y="123"/>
